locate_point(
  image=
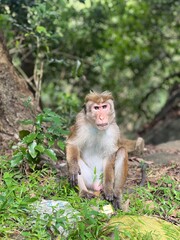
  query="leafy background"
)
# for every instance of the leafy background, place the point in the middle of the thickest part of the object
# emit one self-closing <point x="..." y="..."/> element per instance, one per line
<point x="128" y="47"/>
<point x="63" y="49"/>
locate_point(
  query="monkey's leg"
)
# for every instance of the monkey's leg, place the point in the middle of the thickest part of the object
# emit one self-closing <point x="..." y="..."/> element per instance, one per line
<point x="133" y="146"/>
<point x="121" y="171"/>
<point x="84" y="180"/>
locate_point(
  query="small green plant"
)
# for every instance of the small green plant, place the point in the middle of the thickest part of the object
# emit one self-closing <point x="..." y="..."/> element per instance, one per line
<point x="161" y="199"/>
<point x="92" y="223"/>
<point x="47" y="130"/>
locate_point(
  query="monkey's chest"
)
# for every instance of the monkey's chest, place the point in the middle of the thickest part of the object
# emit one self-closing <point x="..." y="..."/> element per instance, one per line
<point x="93" y="161"/>
<point x="95" y="157"/>
<point x="97" y="149"/>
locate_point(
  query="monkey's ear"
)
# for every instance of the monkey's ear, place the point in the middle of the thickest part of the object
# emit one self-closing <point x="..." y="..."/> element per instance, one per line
<point x="84" y="108"/>
<point x="91" y="91"/>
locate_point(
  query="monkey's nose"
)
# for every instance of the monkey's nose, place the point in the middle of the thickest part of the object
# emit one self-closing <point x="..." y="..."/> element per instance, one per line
<point x="101" y="117"/>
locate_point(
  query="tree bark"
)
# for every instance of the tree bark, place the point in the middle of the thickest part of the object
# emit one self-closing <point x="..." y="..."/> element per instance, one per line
<point x="14" y="92"/>
<point x="166" y="124"/>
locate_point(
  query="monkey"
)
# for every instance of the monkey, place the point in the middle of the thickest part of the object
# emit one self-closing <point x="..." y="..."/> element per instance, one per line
<point x="135" y="147"/>
<point x="96" y="155"/>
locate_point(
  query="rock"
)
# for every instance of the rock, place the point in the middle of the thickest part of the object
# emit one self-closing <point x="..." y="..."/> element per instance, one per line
<point x="164" y="153"/>
<point x="162" y="158"/>
<point x="145" y="227"/>
<point x="59" y="212"/>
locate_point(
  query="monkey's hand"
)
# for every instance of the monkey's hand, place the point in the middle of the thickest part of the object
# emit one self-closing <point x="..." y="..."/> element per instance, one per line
<point x="87" y="194"/>
<point x="73" y="175"/>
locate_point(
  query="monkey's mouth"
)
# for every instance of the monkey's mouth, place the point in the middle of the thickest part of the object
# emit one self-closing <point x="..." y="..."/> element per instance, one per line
<point x="102" y="125"/>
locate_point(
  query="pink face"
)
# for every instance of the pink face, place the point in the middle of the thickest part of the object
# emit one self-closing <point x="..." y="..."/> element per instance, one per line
<point x="101" y="113"/>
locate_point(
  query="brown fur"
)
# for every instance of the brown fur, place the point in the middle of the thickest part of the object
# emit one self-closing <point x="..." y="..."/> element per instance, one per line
<point x="115" y="158"/>
<point x="98" y="97"/>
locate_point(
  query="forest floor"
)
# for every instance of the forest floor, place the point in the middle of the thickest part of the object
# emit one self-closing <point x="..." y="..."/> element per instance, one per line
<point x="159" y="199"/>
<point x="161" y="161"/>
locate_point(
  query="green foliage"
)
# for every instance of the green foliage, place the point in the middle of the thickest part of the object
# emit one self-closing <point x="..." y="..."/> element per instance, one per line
<point x="47" y="130"/>
<point x="18" y="192"/>
<point x="159" y="200"/>
<point x="91" y="224"/>
<point x="17" y="195"/>
<point x="128" y="47"/>
<point x="65" y="104"/>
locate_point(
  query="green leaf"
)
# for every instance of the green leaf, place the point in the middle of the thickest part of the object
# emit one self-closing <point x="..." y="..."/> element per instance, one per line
<point x="26" y="234"/>
<point x="50" y="153"/>
<point x="29" y="138"/>
<point x="29" y="158"/>
<point x="32" y="150"/>
<point x="50" y="143"/>
<point x="23" y="133"/>
<point x="40" y="148"/>
<point x="64" y="132"/>
<point x="27" y="122"/>
<point x="41" y="29"/>
<point x="61" y="145"/>
<point x="39" y="119"/>
<point x="8" y="179"/>
<point x="17" y="159"/>
<point x="23" y="149"/>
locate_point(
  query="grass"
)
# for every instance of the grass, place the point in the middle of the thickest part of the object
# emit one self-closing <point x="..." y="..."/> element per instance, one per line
<point x="161" y="199"/>
<point x="19" y="191"/>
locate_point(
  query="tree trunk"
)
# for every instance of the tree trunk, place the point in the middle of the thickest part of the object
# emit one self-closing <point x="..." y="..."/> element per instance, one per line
<point x="166" y="125"/>
<point x="14" y="93"/>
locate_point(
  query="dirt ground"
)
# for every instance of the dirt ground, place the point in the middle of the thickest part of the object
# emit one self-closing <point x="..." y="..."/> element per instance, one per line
<point x="161" y="160"/>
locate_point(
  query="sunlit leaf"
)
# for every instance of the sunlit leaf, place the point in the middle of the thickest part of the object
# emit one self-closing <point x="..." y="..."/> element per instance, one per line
<point x="41" y="29"/>
<point x="40" y="148"/>
<point x="50" y="153"/>
<point x="29" y="138"/>
<point x="39" y="119"/>
<point x="61" y="145"/>
<point x="17" y="159"/>
<point x="32" y="149"/>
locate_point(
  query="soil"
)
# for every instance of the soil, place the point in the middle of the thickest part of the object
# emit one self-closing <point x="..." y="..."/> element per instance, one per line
<point x="160" y="160"/>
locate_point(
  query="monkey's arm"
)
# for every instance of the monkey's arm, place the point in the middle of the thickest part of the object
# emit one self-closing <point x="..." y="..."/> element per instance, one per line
<point x="133" y="146"/>
<point x="72" y="156"/>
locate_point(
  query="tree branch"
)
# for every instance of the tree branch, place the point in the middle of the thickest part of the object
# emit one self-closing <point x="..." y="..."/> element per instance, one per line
<point x="153" y="89"/>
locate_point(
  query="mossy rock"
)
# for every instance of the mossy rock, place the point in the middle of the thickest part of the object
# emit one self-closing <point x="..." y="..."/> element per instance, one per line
<point x="145" y="228"/>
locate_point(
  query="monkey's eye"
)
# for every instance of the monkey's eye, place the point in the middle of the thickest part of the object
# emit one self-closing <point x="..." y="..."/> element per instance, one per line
<point x="96" y="107"/>
<point x="104" y="106"/>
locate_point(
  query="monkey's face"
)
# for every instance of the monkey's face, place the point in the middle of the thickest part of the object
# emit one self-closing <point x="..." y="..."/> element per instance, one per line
<point x="101" y="114"/>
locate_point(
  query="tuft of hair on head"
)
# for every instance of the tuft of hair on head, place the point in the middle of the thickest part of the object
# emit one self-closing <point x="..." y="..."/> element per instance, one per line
<point x="98" y="97"/>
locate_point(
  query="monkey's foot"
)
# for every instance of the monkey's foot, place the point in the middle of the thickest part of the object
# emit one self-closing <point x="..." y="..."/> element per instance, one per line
<point x="87" y="194"/>
<point x="116" y="203"/>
